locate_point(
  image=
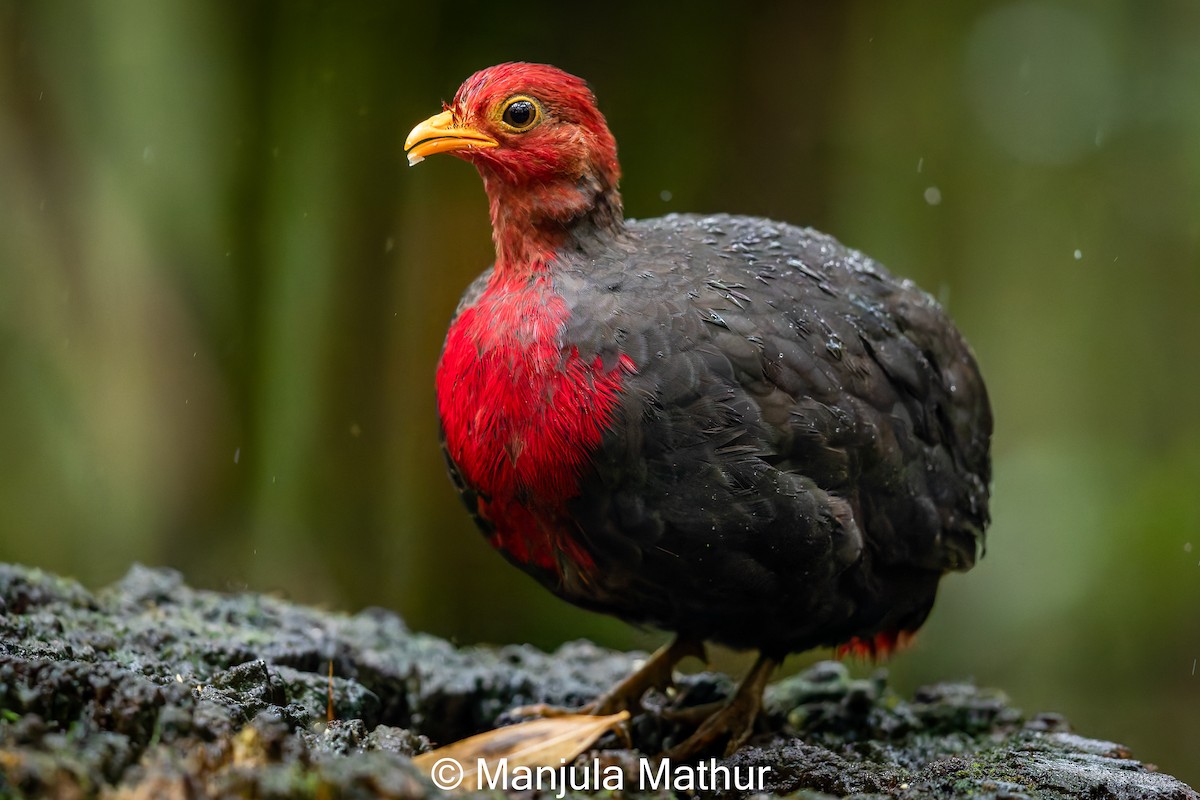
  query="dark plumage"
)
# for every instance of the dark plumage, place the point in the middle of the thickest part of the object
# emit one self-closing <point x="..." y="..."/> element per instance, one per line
<point x="728" y="427"/>
<point x="802" y="452"/>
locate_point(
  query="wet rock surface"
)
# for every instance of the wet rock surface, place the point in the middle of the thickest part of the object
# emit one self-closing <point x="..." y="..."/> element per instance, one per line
<point x="151" y="689"/>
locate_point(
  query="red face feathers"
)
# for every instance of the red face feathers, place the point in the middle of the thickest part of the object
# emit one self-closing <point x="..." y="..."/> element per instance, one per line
<point x="545" y="153"/>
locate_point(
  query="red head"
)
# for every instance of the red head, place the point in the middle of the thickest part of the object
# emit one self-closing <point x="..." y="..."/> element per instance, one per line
<point x="547" y="158"/>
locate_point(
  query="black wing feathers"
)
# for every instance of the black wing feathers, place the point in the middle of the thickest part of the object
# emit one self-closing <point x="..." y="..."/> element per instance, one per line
<point x="803" y="449"/>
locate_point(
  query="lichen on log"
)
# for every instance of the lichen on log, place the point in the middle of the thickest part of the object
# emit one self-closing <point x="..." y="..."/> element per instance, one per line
<point x="149" y="688"/>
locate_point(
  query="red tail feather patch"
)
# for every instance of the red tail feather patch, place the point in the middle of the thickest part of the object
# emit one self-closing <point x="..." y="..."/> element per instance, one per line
<point x="877" y="647"/>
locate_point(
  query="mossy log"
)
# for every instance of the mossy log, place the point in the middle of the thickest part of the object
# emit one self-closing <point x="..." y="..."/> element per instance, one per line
<point x="151" y="689"/>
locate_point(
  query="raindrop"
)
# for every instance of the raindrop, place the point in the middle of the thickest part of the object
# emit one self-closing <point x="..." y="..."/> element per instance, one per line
<point x="1078" y="254"/>
<point x="665" y="195"/>
<point x="237" y="454"/>
<point x="933" y="196"/>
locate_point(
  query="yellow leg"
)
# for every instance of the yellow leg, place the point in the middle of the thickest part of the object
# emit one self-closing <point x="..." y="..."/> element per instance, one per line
<point x="733" y="722"/>
<point x="656" y="673"/>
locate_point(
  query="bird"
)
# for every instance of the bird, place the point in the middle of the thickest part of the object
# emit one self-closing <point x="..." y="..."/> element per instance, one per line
<point x="727" y="427"/>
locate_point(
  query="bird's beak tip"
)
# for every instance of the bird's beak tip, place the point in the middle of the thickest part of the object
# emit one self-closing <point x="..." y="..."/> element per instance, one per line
<point x="440" y="134"/>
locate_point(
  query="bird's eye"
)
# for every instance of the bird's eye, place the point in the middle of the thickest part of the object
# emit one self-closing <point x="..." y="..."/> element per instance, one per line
<point x="520" y="114"/>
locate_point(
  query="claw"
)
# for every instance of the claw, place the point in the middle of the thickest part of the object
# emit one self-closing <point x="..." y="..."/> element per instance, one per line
<point x="734" y="722"/>
<point x="656" y="673"/>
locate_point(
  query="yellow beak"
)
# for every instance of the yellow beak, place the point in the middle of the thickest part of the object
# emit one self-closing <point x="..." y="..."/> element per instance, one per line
<point x="439" y="134"/>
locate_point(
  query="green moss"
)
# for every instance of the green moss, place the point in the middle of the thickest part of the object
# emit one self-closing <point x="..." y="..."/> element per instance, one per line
<point x="150" y="685"/>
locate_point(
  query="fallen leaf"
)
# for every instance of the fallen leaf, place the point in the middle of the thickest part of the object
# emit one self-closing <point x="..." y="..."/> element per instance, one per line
<point x="549" y="742"/>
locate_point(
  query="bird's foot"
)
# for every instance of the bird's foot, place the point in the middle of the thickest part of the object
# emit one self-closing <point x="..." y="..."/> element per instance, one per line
<point x="656" y="673"/>
<point x="732" y="723"/>
<point x="692" y="716"/>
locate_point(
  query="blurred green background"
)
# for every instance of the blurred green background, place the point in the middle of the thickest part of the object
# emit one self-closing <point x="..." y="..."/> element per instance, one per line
<point x="223" y="293"/>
